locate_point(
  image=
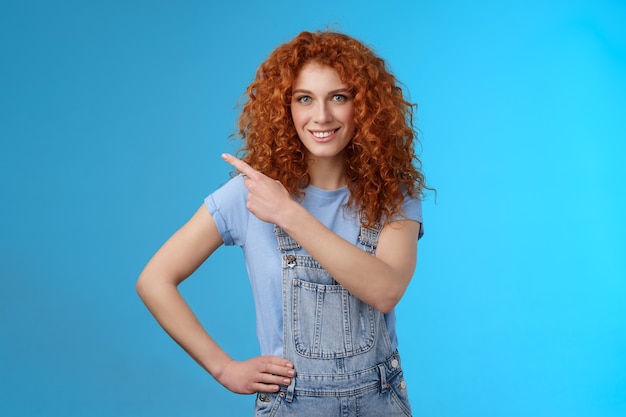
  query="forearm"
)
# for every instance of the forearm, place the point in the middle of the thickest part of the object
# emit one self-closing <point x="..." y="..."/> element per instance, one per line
<point x="369" y="278"/>
<point x="379" y="281"/>
<point x="173" y="314"/>
<point x="158" y="288"/>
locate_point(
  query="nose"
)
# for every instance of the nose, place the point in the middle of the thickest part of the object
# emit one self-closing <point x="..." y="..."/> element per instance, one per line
<point x="322" y="113"/>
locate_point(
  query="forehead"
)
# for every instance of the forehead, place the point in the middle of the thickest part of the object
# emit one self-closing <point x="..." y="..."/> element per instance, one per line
<point x="314" y="74"/>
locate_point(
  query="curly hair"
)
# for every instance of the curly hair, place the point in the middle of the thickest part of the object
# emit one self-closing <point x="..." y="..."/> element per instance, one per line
<point x="381" y="165"/>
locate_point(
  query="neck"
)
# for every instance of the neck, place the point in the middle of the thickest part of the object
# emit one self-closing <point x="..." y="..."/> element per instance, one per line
<point x="326" y="174"/>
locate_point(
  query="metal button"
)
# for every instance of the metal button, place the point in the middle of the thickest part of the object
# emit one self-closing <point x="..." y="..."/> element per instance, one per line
<point x="402" y="385"/>
<point x="264" y="398"/>
<point x="394" y="364"/>
<point x="291" y="261"/>
<point x="282" y="394"/>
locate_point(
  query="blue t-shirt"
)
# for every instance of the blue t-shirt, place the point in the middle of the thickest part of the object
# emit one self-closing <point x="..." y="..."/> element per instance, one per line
<point x="237" y="226"/>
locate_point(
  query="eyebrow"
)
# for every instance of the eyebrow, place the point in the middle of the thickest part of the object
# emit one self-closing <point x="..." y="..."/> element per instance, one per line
<point x="330" y="93"/>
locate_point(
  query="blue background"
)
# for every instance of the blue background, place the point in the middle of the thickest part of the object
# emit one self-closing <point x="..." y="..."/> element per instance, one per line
<point x="112" y="119"/>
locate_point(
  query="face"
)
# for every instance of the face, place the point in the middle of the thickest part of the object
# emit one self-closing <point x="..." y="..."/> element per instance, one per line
<point x="322" y="109"/>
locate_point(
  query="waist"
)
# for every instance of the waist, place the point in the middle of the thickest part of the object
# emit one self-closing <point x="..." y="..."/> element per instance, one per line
<point x="352" y="383"/>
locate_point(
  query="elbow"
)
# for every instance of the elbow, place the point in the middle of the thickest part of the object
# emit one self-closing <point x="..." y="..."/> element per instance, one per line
<point x="143" y="286"/>
<point x="385" y="308"/>
<point x="387" y="304"/>
<point x="388" y="298"/>
<point x="389" y="294"/>
<point x="151" y="287"/>
<point x="140" y="287"/>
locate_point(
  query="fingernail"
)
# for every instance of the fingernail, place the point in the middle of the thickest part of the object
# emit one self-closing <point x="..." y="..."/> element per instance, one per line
<point x="291" y="373"/>
<point x="287" y="381"/>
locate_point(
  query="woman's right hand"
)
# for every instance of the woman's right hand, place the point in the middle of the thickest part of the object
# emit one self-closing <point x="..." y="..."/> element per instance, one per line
<point x="259" y="374"/>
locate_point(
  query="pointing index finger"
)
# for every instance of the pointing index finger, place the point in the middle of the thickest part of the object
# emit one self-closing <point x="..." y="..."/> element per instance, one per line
<point x="238" y="164"/>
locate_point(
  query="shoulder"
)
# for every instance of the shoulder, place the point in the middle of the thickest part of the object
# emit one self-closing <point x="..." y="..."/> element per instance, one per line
<point x="412" y="207"/>
<point x="232" y="193"/>
<point x="234" y="186"/>
<point x="227" y="205"/>
<point x="411" y="210"/>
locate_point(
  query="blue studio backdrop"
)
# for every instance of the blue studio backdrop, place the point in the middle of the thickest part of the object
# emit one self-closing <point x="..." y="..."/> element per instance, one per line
<point x="113" y="116"/>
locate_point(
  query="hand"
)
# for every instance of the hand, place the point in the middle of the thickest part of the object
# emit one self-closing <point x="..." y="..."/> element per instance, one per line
<point x="260" y="374"/>
<point x="266" y="197"/>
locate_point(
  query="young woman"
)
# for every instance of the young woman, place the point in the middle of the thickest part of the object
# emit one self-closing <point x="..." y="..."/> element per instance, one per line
<point x="327" y="210"/>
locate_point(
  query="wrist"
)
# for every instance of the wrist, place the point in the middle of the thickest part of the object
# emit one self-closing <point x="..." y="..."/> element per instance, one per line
<point x="217" y="367"/>
<point x="290" y="215"/>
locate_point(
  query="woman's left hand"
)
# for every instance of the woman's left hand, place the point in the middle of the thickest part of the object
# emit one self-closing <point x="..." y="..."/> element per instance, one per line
<point x="267" y="198"/>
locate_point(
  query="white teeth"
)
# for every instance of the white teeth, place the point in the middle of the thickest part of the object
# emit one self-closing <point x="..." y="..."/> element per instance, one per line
<point x="322" y="135"/>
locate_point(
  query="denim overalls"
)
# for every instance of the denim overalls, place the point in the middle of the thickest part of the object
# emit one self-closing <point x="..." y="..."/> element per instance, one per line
<point x="339" y="345"/>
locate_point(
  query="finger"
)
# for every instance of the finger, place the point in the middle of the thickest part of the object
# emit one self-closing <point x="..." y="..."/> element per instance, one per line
<point x="280" y="370"/>
<point x="269" y="379"/>
<point x="275" y="363"/>
<point x="258" y="387"/>
<point x="279" y="374"/>
<point x="240" y="165"/>
<point x="277" y="360"/>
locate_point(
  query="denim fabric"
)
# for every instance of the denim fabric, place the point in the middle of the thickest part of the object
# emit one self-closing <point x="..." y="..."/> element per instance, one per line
<point x="256" y="238"/>
<point x="379" y="391"/>
<point x="340" y="346"/>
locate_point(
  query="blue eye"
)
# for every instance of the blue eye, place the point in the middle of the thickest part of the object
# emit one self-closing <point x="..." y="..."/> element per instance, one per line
<point x="304" y="99"/>
<point x="340" y="97"/>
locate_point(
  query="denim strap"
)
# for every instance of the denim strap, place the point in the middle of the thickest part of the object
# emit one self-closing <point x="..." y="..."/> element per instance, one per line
<point x="368" y="236"/>
<point x="285" y="242"/>
<point x="384" y="386"/>
<point x="290" y="390"/>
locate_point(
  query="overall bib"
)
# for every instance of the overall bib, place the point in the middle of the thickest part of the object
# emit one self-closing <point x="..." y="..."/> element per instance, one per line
<point x="340" y="346"/>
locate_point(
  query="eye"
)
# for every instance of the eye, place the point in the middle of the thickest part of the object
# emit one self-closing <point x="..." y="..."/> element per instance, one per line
<point x="303" y="99"/>
<point x="340" y="97"/>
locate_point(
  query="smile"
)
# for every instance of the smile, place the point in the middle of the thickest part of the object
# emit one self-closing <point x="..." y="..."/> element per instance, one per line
<point x="322" y="135"/>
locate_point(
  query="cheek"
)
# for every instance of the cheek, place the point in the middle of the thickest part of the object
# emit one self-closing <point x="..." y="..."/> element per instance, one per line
<point x="348" y="118"/>
<point x="297" y="117"/>
<point x="347" y="113"/>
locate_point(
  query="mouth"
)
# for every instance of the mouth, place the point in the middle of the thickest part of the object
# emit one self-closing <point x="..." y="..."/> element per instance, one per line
<point x="322" y="135"/>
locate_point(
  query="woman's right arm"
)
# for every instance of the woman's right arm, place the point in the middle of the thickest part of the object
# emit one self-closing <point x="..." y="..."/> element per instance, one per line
<point x="157" y="286"/>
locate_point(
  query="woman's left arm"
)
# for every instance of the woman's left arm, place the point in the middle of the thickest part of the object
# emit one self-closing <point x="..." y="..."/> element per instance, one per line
<point x="379" y="281"/>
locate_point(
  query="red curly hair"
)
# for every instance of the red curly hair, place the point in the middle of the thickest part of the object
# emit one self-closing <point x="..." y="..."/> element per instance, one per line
<point x="381" y="165"/>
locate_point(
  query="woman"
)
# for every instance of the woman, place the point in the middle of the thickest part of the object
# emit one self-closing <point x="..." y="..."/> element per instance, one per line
<point x="327" y="211"/>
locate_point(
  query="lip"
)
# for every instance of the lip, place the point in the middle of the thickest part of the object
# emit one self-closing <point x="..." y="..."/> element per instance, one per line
<point x="324" y="139"/>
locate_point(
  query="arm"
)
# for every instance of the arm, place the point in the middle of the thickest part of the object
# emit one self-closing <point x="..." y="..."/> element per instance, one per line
<point x="379" y="281"/>
<point x="157" y="286"/>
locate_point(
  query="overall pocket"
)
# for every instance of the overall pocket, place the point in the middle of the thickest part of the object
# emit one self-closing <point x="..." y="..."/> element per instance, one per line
<point x="329" y="322"/>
